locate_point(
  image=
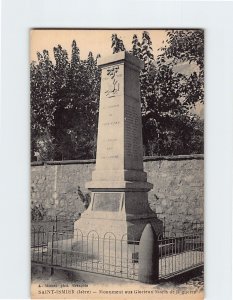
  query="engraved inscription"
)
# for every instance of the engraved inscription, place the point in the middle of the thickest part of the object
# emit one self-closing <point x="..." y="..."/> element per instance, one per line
<point x="132" y="121"/>
<point x="106" y="202"/>
<point x="110" y="106"/>
<point x="110" y="123"/>
<point x="109" y="157"/>
<point x="109" y="137"/>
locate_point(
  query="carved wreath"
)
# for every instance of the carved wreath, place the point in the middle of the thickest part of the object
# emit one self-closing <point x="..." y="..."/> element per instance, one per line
<point x="111" y="72"/>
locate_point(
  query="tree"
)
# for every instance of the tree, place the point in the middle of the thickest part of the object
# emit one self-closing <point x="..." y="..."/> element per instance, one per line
<point x="136" y="47"/>
<point x="145" y="79"/>
<point x="71" y="124"/>
<point x="186" y="46"/>
<point x="77" y="126"/>
<point x="167" y="95"/>
<point x="147" y="51"/>
<point x="65" y="98"/>
<point x="75" y="56"/>
<point x="42" y="88"/>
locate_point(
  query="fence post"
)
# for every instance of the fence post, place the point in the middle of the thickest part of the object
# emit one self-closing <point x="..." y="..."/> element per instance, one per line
<point x="52" y="270"/>
<point x="56" y="223"/>
<point x="148" y="256"/>
<point x="164" y="226"/>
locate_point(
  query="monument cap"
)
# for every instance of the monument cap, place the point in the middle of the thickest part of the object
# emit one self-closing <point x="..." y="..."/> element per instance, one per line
<point x="121" y="56"/>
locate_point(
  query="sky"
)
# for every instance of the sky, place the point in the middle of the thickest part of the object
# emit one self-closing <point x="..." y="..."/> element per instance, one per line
<point x="97" y="41"/>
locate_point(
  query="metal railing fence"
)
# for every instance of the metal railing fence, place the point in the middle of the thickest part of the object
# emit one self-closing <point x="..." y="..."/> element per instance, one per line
<point x="92" y="253"/>
<point x="178" y="254"/>
<point x="108" y="255"/>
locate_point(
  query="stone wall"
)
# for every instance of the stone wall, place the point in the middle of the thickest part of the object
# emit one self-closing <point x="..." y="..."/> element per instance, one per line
<point x="177" y="196"/>
<point x="178" y="193"/>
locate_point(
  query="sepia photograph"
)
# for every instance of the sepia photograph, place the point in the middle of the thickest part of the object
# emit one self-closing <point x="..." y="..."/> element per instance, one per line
<point x="117" y="163"/>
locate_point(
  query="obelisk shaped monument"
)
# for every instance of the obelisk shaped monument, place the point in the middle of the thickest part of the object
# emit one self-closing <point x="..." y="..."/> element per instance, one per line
<point x="119" y="187"/>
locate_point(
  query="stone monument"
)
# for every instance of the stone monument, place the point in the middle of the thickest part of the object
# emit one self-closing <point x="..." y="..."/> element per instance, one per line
<point x="119" y="187"/>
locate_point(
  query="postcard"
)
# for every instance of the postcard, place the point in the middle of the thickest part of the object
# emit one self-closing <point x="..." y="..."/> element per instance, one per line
<point x="117" y="163"/>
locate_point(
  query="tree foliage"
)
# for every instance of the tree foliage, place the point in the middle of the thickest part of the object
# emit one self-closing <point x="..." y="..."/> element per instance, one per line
<point x="186" y="46"/>
<point x="167" y="95"/>
<point x="38" y="212"/>
<point x="64" y="105"/>
<point x="65" y="98"/>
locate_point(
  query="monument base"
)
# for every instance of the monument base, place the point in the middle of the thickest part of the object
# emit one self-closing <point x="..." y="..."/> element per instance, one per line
<point x="124" y="214"/>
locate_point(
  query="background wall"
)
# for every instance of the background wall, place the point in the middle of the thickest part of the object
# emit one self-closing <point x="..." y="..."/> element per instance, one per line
<point x="177" y="196"/>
